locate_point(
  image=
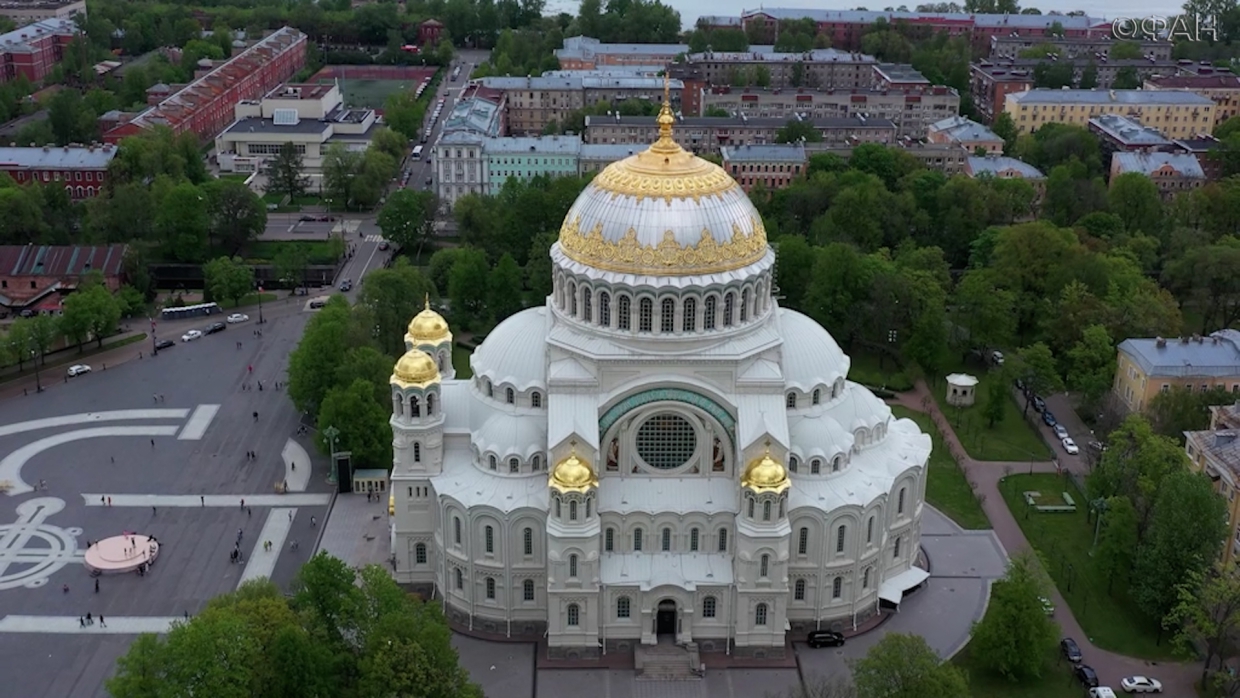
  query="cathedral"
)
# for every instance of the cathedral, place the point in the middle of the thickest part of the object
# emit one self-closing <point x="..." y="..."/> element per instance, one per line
<point x="657" y="452"/>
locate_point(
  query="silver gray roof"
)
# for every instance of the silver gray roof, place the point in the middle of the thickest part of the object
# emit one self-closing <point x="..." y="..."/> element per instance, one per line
<point x="1186" y="164"/>
<point x="995" y="164"/>
<point x="1215" y="356"/>
<point x="772" y="152"/>
<point x="62" y="158"/>
<point x="958" y="128"/>
<point x="1133" y="97"/>
<point x="1128" y="130"/>
<point x="980" y="20"/>
<point x="524" y="145"/>
<point x="17" y="41"/>
<point x="609" y="151"/>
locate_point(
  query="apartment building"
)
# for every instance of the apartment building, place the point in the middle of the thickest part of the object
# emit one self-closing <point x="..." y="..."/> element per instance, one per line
<point x="24" y="12"/>
<point x="1173" y="173"/>
<point x="1146" y="367"/>
<point x="459" y="167"/>
<point x="204" y="107"/>
<point x="965" y="133"/>
<point x="595" y="156"/>
<point x="819" y="68"/>
<point x="525" y="158"/>
<point x="772" y="166"/>
<point x="941" y="157"/>
<point x="1224" y="89"/>
<point x="990" y="84"/>
<point x="586" y="53"/>
<point x="1175" y="113"/>
<point x="534" y="102"/>
<point x="1203" y="146"/>
<point x="32" y="51"/>
<point x="912" y="110"/>
<point x="1216" y="452"/>
<point x="83" y="169"/>
<point x="480" y="110"/>
<point x="707" y="135"/>
<point x="1118" y="133"/>
<point x="1096" y="48"/>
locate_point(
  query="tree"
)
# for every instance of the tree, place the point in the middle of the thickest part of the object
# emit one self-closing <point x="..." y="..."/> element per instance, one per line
<point x="1034" y="365"/>
<point x="182" y="223"/>
<point x="1126" y="78"/>
<point x="285" y="173"/>
<point x="312" y="365"/>
<point x="42" y="334"/>
<point x="99" y="310"/>
<point x="1134" y="466"/>
<point x="1206" y="615"/>
<point x="984" y="312"/>
<point x="1005" y="128"/>
<point x="404" y="113"/>
<point x="290" y="264"/>
<point x="538" y="271"/>
<point x="1179" y="410"/>
<point x="17" y="342"/>
<point x="237" y="215"/>
<point x="996" y="402"/>
<point x="393" y="296"/>
<point x="504" y="293"/>
<point x="1092" y="365"/>
<point x="1135" y="199"/>
<point x="1117" y="539"/>
<point x="904" y="666"/>
<point x="363" y="424"/>
<point x="468" y="285"/>
<point x="1015" y="636"/>
<point x="818" y="686"/>
<point x="407" y="219"/>
<point x="228" y="278"/>
<point x="797" y="131"/>
<point x="140" y="671"/>
<point x="1089" y="76"/>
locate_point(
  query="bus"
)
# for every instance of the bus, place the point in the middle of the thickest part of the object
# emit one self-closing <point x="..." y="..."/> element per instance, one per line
<point x="417" y="152"/>
<point x="191" y="311"/>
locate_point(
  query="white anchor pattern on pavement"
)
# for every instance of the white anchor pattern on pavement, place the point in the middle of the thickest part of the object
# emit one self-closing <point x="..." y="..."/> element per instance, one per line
<point x="22" y="566"/>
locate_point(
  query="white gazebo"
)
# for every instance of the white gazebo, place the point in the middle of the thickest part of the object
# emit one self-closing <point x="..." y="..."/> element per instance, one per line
<point x="961" y="389"/>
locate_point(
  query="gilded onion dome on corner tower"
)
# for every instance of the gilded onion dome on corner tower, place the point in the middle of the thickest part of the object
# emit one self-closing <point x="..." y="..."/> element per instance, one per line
<point x="416" y="369"/>
<point x="572" y="474"/>
<point x="663" y="212"/>
<point x="766" y="474"/>
<point x="427" y="327"/>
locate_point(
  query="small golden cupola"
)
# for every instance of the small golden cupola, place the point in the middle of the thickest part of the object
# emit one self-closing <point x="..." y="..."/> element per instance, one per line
<point x="416" y="369"/>
<point x="766" y="474"/>
<point x="572" y="474"/>
<point x="427" y="327"/>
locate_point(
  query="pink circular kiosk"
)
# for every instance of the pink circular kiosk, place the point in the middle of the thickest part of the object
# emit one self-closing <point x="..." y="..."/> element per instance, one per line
<point x="124" y="553"/>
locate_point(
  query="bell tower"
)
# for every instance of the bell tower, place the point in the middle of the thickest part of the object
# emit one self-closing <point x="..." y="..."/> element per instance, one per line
<point x="417" y="455"/>
<point x="429" y="332"/>
<point x="572" y="557"/>
<point x="761" y="561"/>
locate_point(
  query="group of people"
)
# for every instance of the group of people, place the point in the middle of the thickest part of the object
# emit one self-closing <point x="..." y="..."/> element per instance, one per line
<point x="86" y="620"/>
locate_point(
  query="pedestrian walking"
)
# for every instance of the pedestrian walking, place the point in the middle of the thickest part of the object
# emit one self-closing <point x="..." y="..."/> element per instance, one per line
<point x="256" y="416"/>
<point x="152" y="511"/>
<point x="249" y="512"/>
<point x="81" y="622"/>
<point x="152" y="443"/>
<point x="109" y="501"/>
<point x="290" y="516"/>
<point x="96" y="585"/>
<point x="103" y="500"/>
<point x="202" y="500"/>
<point x="251" y="368"/>
<point x="88" y="620"/>
<point x="113" y="460"/>
<point x="242" y="502"/>
<point x="101" y="623"/>
<point x="311" y="520"/>
<point x="65" y="589"/>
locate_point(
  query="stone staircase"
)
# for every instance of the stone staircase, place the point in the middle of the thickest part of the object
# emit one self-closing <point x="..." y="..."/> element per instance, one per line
<point x="667" y="662"/>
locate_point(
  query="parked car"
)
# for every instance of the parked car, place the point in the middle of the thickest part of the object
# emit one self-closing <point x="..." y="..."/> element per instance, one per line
<point x="237" y="317"/>
<point x="1061" y="432"/>
<point x="1141" y="684"/>
<point x="165" y="344"/>
<point x="825" y="638"/>
<point x="215" y="327"/>
<point x="346" y="285"/>
<point x="78" y="369"/>
<point x="384" y="245"/>
<point x="1101" y="692"/>
<point x="1069" y="446"/>
<point x="191" y="336"/>
<point x="1086" y="675"/>
<point x="1038" y="403"/>
<point x="1071" y="651"/>
<point x="1047" y="607"/>
<point x="996" y="357"/>
<point x="318" y="303"/>
<point x="1049" y="418"/>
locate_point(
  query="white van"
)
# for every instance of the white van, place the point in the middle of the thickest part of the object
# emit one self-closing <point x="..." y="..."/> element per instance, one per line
<point x="1101" y="692"/>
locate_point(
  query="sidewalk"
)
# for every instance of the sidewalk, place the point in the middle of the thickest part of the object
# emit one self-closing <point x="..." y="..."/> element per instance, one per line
<point x="1177" y="678"/>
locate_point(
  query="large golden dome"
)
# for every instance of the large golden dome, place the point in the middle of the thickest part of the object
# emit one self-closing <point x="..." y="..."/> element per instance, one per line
<point x="572" y="474"/>
<point x="766" y="474"/>
<point x="664" y="212"/>
<point x="428" y="326"/>
<point x="416" y="369"/>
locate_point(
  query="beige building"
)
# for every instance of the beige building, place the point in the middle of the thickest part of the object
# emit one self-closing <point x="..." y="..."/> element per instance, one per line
<point x="819" y="69"/>
<point x="23" y="13"/>
<point x="708" y="134"/>
<point x="1172" y="173"/>
<point x="1216" y="452"/>
<point x="912" y="110"/>
<point x="1175" y="113"/>
<point x="1146" y="367"/>
<point x="1223" y="89"/>
<point x="771" y="166"/>
<point x="311" y="116"/>
<point x="967" y="134"/>
<point x="534" y="102"/>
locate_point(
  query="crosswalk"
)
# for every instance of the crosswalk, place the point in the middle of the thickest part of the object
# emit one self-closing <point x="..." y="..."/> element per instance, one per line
<point x="374" y="238"/>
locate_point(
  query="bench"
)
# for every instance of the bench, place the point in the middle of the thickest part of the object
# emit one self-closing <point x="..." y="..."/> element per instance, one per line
<point x="1059" y="509"/>
<point x="1068" y="498"/>
<point x="1031" y="497"/>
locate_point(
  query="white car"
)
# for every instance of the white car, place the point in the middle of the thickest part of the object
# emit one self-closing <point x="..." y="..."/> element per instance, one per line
<point x="1047" y="607"/>
<point x="1101" y="692"/>
<point x="1060" y="432"/>
<point x="237" y="317"/>
<point x="1070" y="446"/>
<point x="191" y="336"/>
<point x="1141" y="684"/>
<point x="78" y="369"/>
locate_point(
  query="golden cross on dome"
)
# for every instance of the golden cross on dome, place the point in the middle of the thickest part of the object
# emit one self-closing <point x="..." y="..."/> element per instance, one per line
<point x="666" y="145"/>
<point x="427" y="300"/>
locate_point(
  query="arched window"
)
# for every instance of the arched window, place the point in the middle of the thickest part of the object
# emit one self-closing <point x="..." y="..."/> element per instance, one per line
<point x="558" y="512"/>
<point x="535" y="399"/>
<point x="645" y="314"/>
<point x="900" y="501"/>
<point x="835" y="390"/>
<point x="840" y="534"/>
<point x="803" y="541"/>
<point x="793" y="463"/>
<point x="764" y="565"/>
<point x="587" y="312"/>
<point x="689" y="322"/>
<point x="574" y="615"/>
<point x="666" y="539"/>
<point x="791" y="401"/>
<point x="723" y="540"/>
<point x="609" y="540"/>
<point x="419" y="554"/>
<point x="837" y="587"/>
<point x="766" y="510"/>
<point x="865" y="579"/>
<point x="815" y="467"/>
<point x="514" y="465"/>
<point x="693" y="540"/>
<point x="759" y="615"/>
<point x="798" y="590"/>
<point x="729" y="302"/>
<point x="456" y="529"/>
<point x="751" y="506"/>
<point x="490" y="389"/>
<point x="430" y="404"/>
<point x="493" y="463"/>
<point x="637" y="540"/>
<point x="622" y="607"/>
<point x="527" y="541"/>
<point x="536" y="463"/>
<point x="708" y="318"/>
<point x="415" y="409"/>
<point x="417" y="452"/>
<point x="781" y="507"/>
<point x="572" y="510"/>
<point x="489" y="536"/>
<point x="817" y="396"/>
<point x="460" y="579"/>
<point x="708" y="607"/>
<point x="835" y="464"/>
<point x="527" y="590"/>
<point x="667" y="316"/>
<point x="896" y="552"/>
<point x="572" y="566"/>
<point x="604" y="308"/>
<point x="491" y="588"/>
<point x="624" y="315"/>
<point x="744" y="305"/>
<point x="572" y="299"/>
<point x="510" y="396"/>
<point x="869" y="530"/>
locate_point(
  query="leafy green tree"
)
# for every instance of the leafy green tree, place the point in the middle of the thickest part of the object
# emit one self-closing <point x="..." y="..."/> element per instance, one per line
<point x="363" y="424"/>
<point x="996" y="402"/>
<point x="1034" y="365"/>
<point x="408" y="217"/>
<point x="904" y="666"/>
<point x="236" y="214"/>
<point x="75" y="319"/>
<point x="404" y="114"/>
<point x="21" y="219"/>
<point x="1091" y="365"/>
<point x="1125" y="50"/>
<point x="1117" y="539"/>
<point x="1126" y="78"/>
<point x="1208" y="276"/>
<point x="796" y="131"/>
<point x="43" y="332"/>
<point x="393" y="296"/>
<point x="1053" y="74"/>
<point x="1089" y="77"/>
<point x="286" y="173"/>
<point x="1015" y="636"/>
<point x="17" y="343"/>
<point x="1005" y="128"/>
<point x="504" y="293"/>
<point x="468" y="285"/>
<point x="70" y="118"/>
<point x="1179" y="410"/>
<point x="1134" y="466"/>
<point x="290" y="264"/>
<point x="538" y="272"/>
<point x="1206" y="616"/>
<point x="182" y="223"/>
<point x="796" y="263"/>
<point x="371" y="365"/>
<point x="312" y="364"/>
<point x="140" y="671"/>
<point x="228" y="278"/>
<point x="103" y="309"/>
<point x="984" y="312"/>
<point x="1135" y="199"/>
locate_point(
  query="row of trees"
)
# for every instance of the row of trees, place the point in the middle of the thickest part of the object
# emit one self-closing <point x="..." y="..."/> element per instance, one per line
<point x="91" y="313"/>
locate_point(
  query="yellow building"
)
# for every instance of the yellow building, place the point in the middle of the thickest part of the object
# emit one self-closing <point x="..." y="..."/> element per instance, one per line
<point x="1175" y="113"/>
<point x="1224" y="89"/>
<point x="1146" y="367"/>
<point x="1217" y="453"/>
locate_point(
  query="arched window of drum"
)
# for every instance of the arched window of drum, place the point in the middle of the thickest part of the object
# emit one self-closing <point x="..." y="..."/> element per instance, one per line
<point x="723" y="540"/>
<point x="835" y="464"/>
<point x="896" y="551"/>
<point x="589" y="501"/>
<point x="781" y="506"/>
<point x="708" y="607"/>
<point x="793" y="463"/>
<point x="415" y="408"/>
<point x="514" y="465"/>
<point x="623" y="607"/>
<point x="837" y="587"/>
<point x="572" y="511"/>
<point x="572" y="566"/>
<point x="460" y="579"/>
<point x="815" y="466"/>
<point x="759" y="615"/>
<point x="536" y="463"/>
<point x="840" y="534"/>
<point x="729" y="305"/>
<point x="869" y="530"/>
<point x="803" y="541"/>
<point x="835" y="390"/>
<point x="417" y="452"/>
<point x="764" y="565"/>
<point x="572" y="299"/>
<point x="865" y="579"/>
<point x="900" y="501"/>
<point x="667" y="316"/>
<point x="693" y="540"/>
<point x="624" y="314"/>
<point x="744" y="305"/>
<point x="666" y="539"/>
<point x="798" y="590"/>
<point x="400" y="407"/>
<point x="489" y="539"/>
<point x="456" y="530"/>
<point x="527" y="541"/>
<point x="419" y="554"/>
<point x="491" y="588"/>
<point x="527" y="590"/>
<point x="817" y="396"/>
<point x="587" y="312"/>
<point x="490" y="388"/>
<point x="604" y="308"/>
<point x="558" y="511"/>
<point x="492" y="462"/>
<point x="430" y="404"/>
<point x="609" y="540"/>
<point x="766" y="510"/>
<point x="790" y="401"/>
<point x="510" y="396"/>
<point x="645" y="315"/>
<point x="637" y="540"/>
<point x="752" y="504"/>
<point x="535" y="399"/>
<point x="708" y="318"/>
<point x="574" y="615"/>
<point x="689" y="323"/>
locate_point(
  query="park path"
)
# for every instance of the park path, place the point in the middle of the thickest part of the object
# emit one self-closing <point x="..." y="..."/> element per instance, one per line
<point x="984" y="476"/>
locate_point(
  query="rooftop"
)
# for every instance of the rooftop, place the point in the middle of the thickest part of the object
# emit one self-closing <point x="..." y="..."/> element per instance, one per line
<point x="900" y="73"/>
<point x="61" y="260"/>
<point x="774" y="152"/>
<point x="543" y="145"/>
<point x="69" y="157"/>
<point x="300" y="90"/>
<point x="1201" y="144"/>
<point x="1221" y="449"/>
<point x="257" y="125"/>
<point x="810" y="94"/>
<point x="980" y="20"/>
<point x="1128" y="131"/>
<point x="585" y="47"/>
<point x="1129" y="97"/>
<point x="609" y="151"/>
<point x="1196" y="82"/>
<point x="18" y="40"/>
<point x="1184" y="164"/>
<point x="997" y="165"/>
<point x="741" y="122"/>
<point x="962" y="130"/>
<point x="770" y="55"/>
<point x="1215" y="356"/>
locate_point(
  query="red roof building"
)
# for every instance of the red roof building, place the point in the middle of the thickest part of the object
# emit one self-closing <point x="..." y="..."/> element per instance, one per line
<point x="205" y="106"/>
<point x="36" y="278"/>
<point x="81" y="169"/>
<point x="33" y="50"/>
<point x="429" y="32"/>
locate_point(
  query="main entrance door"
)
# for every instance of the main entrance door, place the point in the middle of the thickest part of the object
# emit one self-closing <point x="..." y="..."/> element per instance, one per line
<point x="665" y="618"/>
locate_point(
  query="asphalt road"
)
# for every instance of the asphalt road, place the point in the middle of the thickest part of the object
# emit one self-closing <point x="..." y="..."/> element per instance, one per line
<point x="450" y="91"/>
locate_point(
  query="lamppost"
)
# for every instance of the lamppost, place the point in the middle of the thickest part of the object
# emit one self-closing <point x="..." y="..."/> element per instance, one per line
<point x="154" y="341"/>
<point x="260" y="304"/>
<point x="38" y="382"/>
<point x="330" y="433"/>
<point x="1100" y="508"/>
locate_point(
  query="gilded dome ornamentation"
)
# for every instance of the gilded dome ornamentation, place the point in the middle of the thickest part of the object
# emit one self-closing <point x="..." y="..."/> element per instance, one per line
<point x="416" y="369"/>
<point x="428" y="325"/>
<point x="629" y="255"/>
<point x="572" y="474"/>
<point x="766" y="474"/>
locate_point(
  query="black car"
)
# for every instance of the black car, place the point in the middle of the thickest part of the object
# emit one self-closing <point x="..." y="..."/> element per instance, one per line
<point x="1086" y="675"/>
<point x="165" y="344"/>
<point x="1071" y="651"/>
<point x="1049" y="418"/>
<point x="825" y="638"/>
<point x="215" y="327"/>
<point x="1038" y="403"/>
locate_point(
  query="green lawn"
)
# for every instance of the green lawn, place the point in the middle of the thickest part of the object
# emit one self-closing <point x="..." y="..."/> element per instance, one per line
<point x="947" y="488"/>
<point x="1011" y="439"/>
<point x="877" y="371"/>
<point x="460" y="361"/>
<point x="1056" y="682"/>
<point x="1111" y="620"/>
<point x="317" y="251"/>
